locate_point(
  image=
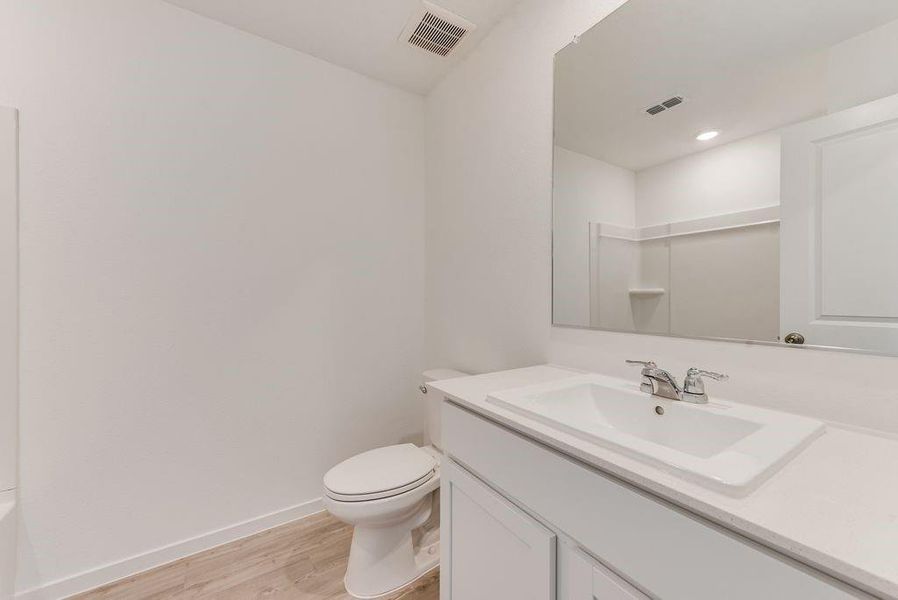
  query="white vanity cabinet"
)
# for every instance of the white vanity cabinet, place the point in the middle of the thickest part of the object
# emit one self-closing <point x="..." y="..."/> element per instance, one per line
<point x="508" y="500"/>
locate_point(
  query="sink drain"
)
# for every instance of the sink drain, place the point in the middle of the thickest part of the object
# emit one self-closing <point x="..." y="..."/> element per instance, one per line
<point x="659" y="410"/>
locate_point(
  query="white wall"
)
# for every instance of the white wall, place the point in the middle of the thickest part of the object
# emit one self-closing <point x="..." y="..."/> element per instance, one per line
<point x="222" y="272"/>
<point x="489" y="128"/>
<point x="587" y="191"/>
<point x="489" y="217"/>
<point x="9" y="298"/>
<point x="9" y="345"/>
<point x="862" y="68"/>
<point x="733" y="177"/>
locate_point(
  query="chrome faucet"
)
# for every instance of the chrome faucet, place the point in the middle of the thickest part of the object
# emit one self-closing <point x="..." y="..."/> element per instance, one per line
<point x="661" y="383"/>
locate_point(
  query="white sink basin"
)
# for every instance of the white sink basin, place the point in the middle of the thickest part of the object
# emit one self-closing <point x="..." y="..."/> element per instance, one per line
<point x="729" y="447"/>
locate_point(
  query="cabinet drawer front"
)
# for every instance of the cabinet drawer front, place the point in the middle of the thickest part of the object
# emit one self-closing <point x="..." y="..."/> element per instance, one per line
<point x="665" y="551"/>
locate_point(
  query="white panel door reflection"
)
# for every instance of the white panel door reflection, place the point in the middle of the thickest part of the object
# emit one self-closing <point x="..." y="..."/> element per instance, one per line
<point x="839" y="220"/>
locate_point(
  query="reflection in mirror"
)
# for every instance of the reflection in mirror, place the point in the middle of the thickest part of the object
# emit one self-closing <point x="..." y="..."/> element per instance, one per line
<point x="729" y="169"/>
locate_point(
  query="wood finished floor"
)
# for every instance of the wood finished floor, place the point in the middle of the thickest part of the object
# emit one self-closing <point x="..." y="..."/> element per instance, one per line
<point x="304" y="560"/>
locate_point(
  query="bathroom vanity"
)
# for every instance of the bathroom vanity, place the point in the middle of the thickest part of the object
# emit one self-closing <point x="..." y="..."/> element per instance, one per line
<point x="531" y="510"/>
<point x="711" y="183"/>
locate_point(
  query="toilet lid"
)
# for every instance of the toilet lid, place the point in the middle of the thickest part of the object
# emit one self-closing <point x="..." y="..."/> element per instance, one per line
<point x="380" y="473"/>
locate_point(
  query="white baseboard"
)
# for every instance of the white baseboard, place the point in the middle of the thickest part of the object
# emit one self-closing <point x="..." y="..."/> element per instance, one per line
<point x="88" y="580"/>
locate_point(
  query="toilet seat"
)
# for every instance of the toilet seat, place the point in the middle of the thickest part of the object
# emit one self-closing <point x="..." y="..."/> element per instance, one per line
<point x="380" y="473"/>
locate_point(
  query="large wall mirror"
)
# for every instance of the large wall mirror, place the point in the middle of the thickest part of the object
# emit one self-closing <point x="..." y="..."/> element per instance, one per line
<point x="729" y="169"/>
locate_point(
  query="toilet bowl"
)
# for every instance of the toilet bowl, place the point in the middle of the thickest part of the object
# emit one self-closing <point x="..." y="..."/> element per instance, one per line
<point x="385" y="494"/>
<point x="390" y="497"/>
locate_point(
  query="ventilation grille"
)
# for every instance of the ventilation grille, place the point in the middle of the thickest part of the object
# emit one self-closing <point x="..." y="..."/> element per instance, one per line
<point x="435" y="30"/>
<point x="665" y="105"/>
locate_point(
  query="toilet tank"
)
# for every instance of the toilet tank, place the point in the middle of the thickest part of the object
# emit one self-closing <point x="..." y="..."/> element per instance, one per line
<point x="433" y="403"/>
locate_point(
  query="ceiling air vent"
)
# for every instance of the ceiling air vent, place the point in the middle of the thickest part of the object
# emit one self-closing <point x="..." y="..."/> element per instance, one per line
<point x="665" y="105"/>
<point x="435" y="30"/>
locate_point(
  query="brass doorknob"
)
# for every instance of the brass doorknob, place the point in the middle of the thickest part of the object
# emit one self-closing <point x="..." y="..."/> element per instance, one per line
<point x="794" y="338"/>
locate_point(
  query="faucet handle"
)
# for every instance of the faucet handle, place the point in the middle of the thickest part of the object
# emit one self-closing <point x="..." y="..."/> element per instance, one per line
<point x="699" y="373"/>
<point x="694" y="386"/>
<point x="646" y="384"/>
<point x="648" y="364"/>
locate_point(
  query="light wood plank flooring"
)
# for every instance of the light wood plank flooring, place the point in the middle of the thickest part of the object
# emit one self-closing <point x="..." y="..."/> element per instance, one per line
<point x="304" y="560"/>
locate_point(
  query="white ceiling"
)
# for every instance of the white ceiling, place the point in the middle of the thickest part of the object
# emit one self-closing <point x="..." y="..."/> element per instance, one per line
<point x="361" y="35"/>
<point x="743" y="67"/>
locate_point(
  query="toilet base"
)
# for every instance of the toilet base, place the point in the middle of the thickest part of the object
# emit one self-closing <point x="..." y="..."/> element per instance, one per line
<point x="434" y="564"/>
<point x="383" y="560"/>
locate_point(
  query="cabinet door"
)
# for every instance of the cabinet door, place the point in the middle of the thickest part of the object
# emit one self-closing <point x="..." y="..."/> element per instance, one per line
<point x="493" y="550"/>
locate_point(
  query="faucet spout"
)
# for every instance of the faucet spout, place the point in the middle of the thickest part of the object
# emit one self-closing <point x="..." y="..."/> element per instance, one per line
<point x="663" y="383"/>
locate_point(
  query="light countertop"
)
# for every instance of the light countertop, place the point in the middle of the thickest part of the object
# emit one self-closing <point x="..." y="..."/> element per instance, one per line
<point x="834" y="506"/>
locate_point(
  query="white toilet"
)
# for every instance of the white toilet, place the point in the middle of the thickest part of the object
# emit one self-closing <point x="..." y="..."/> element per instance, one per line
<point x="387" y="494"/>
